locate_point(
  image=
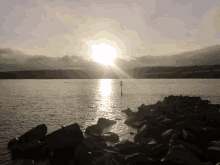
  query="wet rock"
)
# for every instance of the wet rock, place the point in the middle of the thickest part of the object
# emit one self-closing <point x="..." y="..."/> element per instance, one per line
<point x="212" y="154"/>
<point x="127" y="147"/>
<point x="82" y="156"/>
<point x="167" y="135"/>
<point x="94" y="129"/>
<point x="130" y="122"/>
<point x="107" y="157"/>
<point x="22" y="162"/>
<point x="69" y="136"/>
<point x="180" y="154"/>
<point x="95" y="142"/>
<point x="111" y="137"/>
<point x="158" y="152"/>
<point x="62" y="156"/>
<point x="102" y="122"/>
<point x="137" y="158"/>
<point x="13" y="142"/>
<point x="147" y="131"/>
<point x="128" y="112"/>
<point x="38" y="133"/>
<point x="34" y="150"/>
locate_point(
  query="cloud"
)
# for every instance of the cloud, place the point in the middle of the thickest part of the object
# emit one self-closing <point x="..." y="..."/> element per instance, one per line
<point x="16" y="60"/>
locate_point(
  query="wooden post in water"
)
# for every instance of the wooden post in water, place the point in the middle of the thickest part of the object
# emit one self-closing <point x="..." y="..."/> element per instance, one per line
<point x="121" y="87"/>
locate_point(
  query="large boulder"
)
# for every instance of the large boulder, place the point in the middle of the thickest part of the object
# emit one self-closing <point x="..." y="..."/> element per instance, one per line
<point x="13" y="142"/>
<point x="94" y="129"/>
<point x="147" y="131"/>
<point x="34" y="150"/>
<point x="127" y="147"/>
<point x="95" y="141"/>
<point x="128" y="112"/>
<point x="180" y="154"/>
<point x="107" y="157"/>
<point x="111" y="137"/>
<point x="138" y="158"/>
<point x="37" y="132"/>
<point x="158" y="151"/>
<point x="102" y="122"/>
<point x="69" y="136"/>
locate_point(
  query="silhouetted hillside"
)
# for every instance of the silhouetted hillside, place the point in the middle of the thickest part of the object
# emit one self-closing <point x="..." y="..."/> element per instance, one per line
<point x="199" y="71"/>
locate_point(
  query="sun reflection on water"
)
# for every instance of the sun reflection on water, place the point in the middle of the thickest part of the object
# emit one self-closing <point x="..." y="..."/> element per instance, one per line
<point x="105" y="87"/>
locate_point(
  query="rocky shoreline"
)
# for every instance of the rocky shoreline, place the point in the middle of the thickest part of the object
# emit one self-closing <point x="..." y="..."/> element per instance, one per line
<point x="176" y="130"/>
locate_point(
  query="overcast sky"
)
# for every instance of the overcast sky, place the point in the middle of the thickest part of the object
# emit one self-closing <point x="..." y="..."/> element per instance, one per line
<point x="56" y="28"/>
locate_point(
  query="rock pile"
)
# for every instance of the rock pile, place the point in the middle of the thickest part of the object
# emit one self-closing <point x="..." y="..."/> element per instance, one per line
<point x="177" y="130"/>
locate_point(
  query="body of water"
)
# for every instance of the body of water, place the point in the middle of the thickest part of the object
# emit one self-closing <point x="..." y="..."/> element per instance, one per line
<point x="25" y="104"/>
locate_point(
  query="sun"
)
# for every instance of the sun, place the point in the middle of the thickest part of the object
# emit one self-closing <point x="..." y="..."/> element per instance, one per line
<point x="104" y="54"/>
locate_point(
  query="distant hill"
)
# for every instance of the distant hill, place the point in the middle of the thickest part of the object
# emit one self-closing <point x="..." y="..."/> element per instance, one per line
<point x="199" y="71"/>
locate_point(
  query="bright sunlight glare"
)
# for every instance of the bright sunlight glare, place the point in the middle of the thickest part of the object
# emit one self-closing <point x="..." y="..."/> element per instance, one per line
<point x="104" y="54"/>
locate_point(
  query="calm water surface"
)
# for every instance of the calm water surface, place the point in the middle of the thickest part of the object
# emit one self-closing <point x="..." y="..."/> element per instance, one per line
<point x="27" y="103"/>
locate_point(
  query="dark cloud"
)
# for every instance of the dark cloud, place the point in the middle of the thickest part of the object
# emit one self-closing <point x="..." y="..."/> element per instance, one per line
<point x="11" y="60"/>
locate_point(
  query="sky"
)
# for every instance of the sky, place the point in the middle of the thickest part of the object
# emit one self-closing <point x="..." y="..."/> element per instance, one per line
<point x="62" y="30"/>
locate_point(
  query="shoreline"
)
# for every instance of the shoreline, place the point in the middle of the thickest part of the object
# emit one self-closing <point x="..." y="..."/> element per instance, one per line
<point x="177" y="124"/>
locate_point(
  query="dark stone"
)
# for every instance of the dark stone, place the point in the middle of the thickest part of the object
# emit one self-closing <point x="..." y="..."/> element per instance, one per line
<point x="13" y="142"/>
<point x="107" y="157"/>
<point x="180" y="154"/>
<point x="34" y="150"/>
<point x="111" y="137"/>
<point x="102" y="122"/>
<point x="158" y="152"/>
<point x="94" y="129"/>
<point x="82" y="156"/>
<point x="62" y="156"/>
<point x="69" y="136"/>
<point x="138" y="158"/>
<point x="167" y="135"/>
<point x="127" y="147"/>
<point x="212" y="154"/>
<point x="95" y="142"/>
<point x="38" y="133"/>
<point x="147" y="131"/>
<point x="128" y="112"/>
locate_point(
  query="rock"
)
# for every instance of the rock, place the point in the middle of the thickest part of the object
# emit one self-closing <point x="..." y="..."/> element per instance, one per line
<point x="128" y="112"/>
<point x="167" y="135"/>
<point x="180" y="154"/>
<point x="191" y="139"/>
<point x="62" y="156"/>
<point x="22" y="162"/>
<point x="38" y="133"/>
<point x="102" y="122"/>
<point x="34" y="150"/>
<point x="107" y="157"/>
<point x="130" y="122"/>
<point x="13" y="142"/>
<point x="69" y="136"/>
<point x="147" y="131"/>
<point x="137" y="158"/>
<point x="82" y="156"/>
<point x="127" y="147"/>
<point x="212" y="154"/>
<point x="111" y="137"/>
<point x="132" y="133"/>
<point x="95" y="142"/>
<point x="144" y="110"/>
<point x="158" y="152"/>
<point x="94" y="129"/>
